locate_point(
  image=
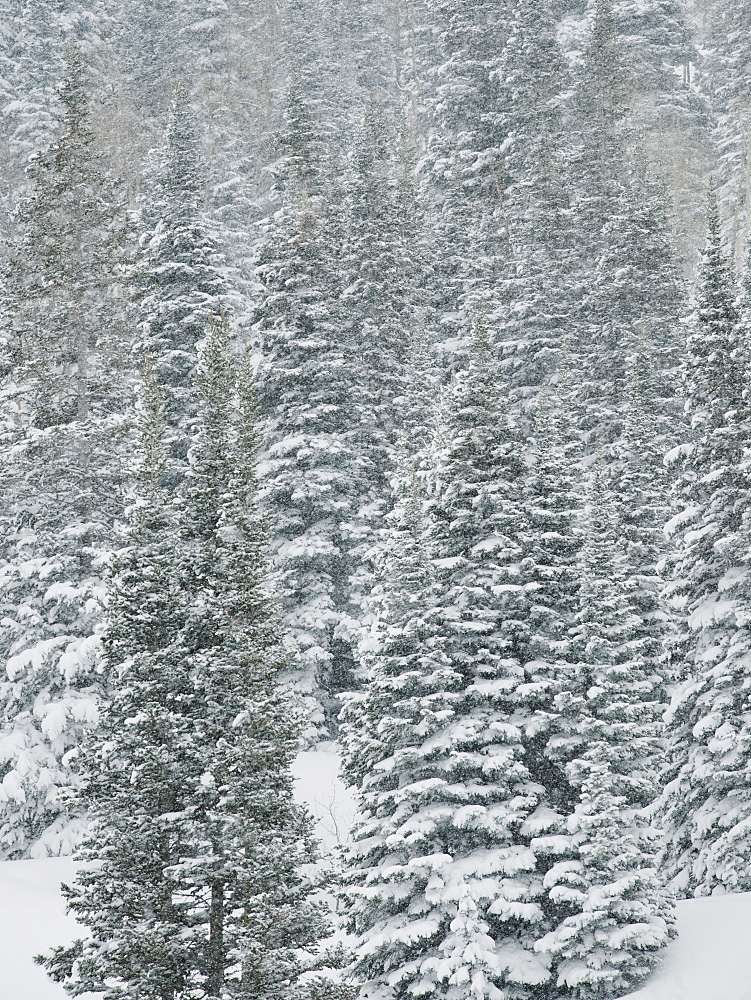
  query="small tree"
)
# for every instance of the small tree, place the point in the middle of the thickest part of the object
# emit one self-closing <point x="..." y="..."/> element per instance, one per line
<point x="621" y="919"/>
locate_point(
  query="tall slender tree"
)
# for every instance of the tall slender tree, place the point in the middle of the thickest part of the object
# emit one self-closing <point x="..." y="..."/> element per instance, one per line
<point x="66" y="392"/>
<point x="180" y="276"/>
<point x="199" y="891"/>
<point x="705" y="805"/>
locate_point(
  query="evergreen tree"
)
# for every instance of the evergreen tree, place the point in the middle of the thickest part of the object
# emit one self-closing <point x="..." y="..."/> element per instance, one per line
<point x="621" y="920"/>
<point x="668" y="110"/>
<point x="727" y="67"/>
<point x="622" y="238"/>
<point x="179" y="279"/>
<point x="66" y="389"/>
<point x="532" y="78"/>
<point x="705" y="804"/>
<point x="314" y="480"/>
<point x="464" y="160"/>
<point x="199" y="890"/>
<point x="384" y="271"/>
<point x="612" y="918"/>
<point x="440" y="883"/>
<point x="32" y="62"/>
<point x="549" y="571"/>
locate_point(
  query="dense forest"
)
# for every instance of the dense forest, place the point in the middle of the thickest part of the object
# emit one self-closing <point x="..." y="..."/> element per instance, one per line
<point x="376" y="371"/>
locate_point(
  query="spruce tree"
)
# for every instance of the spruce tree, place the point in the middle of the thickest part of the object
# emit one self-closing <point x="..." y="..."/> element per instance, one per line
<point x="705" y="804"/>
<point x="549" y="571"/>
<point x="383" y="271"/>
<point x="726" y="71"/>
<point x="622" y="240"/>
<point x="464" y="161"/>
<point x="440" y="892"/>
<point x="314" y="480"/>
<point x="441" y="881"/>
<point x="613" y="919"/>
<point x="179" y="280"/>
<point x="532" y="78"/>
<point x="199" y="890"/>
<point x="66" y="392"/>
<point x="621" y="919"/>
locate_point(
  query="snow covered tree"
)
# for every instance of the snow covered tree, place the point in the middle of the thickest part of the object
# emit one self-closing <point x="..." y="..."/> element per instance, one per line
<point x="705" y="805"/>
<point x="604" y="891"/>
<point x="384" y="272"/>
<point x="621" y="919"/>
<point x="642" y="485"/>
<point x="312" y="479"/>
<point x="440" y="883"/>
<point x="33" y="46"/>
<point x="179" y="279"/>
<point x="622" y="240"/>
<point x="464" y="161"/>
<point x="549" y="571"/>
<point x="727" y="69"/>
<point x="477" y="512"/>
<point x="617" y="676"/>
<point x="65" y="396"/>
<point x="532" y="77"/>
<point x="66" y="257"/>
<point x="199" y="890"/>
<point x="669" y="110"/>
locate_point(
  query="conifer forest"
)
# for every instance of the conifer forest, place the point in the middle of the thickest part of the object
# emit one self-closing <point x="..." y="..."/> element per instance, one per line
<point x="375" y="373"/>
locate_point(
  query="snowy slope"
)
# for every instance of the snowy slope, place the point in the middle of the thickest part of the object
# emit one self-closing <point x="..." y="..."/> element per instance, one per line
<point x="711" y="959"/>
<point x="32" y="919"/>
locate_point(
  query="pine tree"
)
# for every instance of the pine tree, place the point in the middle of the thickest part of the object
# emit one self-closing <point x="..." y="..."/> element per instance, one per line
<point x="179" y="279"/>
<point x="532" y="78"/>
<point x="612" y="918"/>
<point x="705" y="804"/>
<point x="464" y="157"/>
<point x="621" y="236"/>
<point x="32" y="62"/>
<point x="621" y="920"/>
<point x="440" y="886"/>
<point x="316" y="481"/>
<point x="549" y="572"/>
<point x="727" y="67"/>
<point x="668" y="109"/>
<point x="383" y="271"/>
<point x="199" y="890"/>
<point x="66" y="391"/>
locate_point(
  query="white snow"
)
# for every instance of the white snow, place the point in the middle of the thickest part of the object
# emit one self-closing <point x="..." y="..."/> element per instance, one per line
<point x="710" y="960"/>
<point x="32" y="920"/>
<point x="317" y="783"/>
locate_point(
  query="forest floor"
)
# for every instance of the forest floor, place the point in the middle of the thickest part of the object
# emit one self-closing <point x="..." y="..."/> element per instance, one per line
<point x="710" y="960"/>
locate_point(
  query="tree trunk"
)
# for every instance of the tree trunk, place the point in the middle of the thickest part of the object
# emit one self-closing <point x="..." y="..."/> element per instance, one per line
<point x="215" y="980"/>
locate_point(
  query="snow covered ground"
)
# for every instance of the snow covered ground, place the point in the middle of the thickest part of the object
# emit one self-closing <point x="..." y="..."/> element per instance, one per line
<point x="711" y="959"/>
<point x="32" y="910"/>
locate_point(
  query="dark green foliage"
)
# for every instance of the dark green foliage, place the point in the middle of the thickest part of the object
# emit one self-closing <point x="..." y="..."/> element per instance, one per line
<point x="198" y="889"/>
